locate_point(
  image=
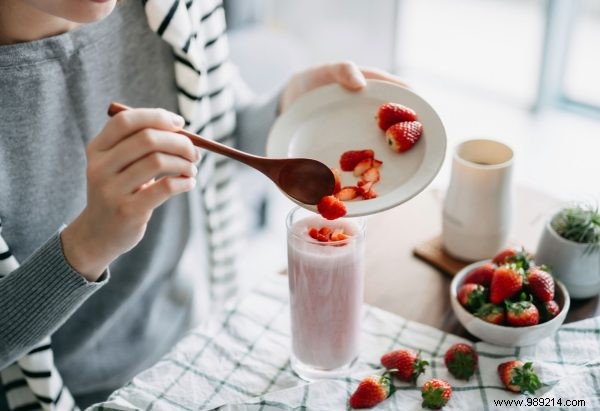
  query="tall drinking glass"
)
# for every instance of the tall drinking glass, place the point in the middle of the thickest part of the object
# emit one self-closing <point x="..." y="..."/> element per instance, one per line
<point x="326" y="295"/>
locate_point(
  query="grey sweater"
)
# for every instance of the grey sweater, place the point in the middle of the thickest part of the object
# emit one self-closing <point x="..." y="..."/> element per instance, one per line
<point x="53" y="98"/>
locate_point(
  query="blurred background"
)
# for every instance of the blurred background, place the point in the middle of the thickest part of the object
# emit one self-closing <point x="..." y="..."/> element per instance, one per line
<point x="525" y="72"/>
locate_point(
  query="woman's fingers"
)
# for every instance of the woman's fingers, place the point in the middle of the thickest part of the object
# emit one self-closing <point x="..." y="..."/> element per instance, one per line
<point x="129" y="122"/>
<point x="133" y="177"/>
<point x="376" y="74"/>
<point x="348" y="75"/>
<point x="145" y="142"/>
<point x="153" y="195"/>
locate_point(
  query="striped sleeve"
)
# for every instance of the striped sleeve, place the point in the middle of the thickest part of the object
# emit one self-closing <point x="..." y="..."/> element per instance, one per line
<point x="38" y="297"/>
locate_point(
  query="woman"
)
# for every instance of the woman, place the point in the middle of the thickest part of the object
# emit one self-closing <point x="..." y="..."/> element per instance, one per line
<point x="125" y="187"/>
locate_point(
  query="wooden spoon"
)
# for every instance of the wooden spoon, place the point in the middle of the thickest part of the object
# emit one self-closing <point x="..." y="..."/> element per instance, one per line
<point x="303" y="179"/>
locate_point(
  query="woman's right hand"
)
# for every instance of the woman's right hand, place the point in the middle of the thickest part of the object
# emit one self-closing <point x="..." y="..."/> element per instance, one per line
<point x="123" y="161"/>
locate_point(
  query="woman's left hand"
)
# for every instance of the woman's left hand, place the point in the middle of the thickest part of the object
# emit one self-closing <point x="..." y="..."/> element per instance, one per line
<point x="346" y="74"/>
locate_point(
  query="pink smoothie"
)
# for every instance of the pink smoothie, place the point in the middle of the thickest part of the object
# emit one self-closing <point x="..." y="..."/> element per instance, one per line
<point x="326" y="291"/>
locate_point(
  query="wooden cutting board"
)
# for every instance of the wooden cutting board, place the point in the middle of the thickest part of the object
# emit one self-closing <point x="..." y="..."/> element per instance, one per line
<point x="432" y="252"/>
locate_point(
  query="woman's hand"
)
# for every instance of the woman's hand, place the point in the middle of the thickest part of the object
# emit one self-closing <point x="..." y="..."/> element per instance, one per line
<point x="346" y="74"/>
<point x="134" y="148"/>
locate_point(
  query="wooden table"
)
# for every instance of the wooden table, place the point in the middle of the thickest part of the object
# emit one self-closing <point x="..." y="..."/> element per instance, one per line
<point x="397" y="281"/>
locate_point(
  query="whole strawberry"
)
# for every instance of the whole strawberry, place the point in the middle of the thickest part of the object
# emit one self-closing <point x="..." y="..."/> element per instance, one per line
<point x="548" y="310"/>
<point x="371" y="391"/>
<point x="507" y="281"/>
<point x="461" y="360"/>
<point x="511" y="255"/>
<point x="518" y="376"/>
<point x="491" y="313"/>
<point x="402" y="136"/>
<point x="540" y="283"/>
<point x="436" y="393"/>
<point x="481" y="275"/>
<point x="392" y="113"/>
<point x="522" y="314"/>
<point x="471" y="296"/>
<point x="407" y="363"/>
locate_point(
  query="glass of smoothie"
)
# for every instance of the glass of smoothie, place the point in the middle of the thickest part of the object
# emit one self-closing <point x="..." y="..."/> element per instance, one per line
<point x="326" y="294"/>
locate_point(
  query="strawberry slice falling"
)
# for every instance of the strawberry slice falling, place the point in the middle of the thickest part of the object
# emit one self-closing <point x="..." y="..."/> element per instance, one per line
<point x="331" y="208"/>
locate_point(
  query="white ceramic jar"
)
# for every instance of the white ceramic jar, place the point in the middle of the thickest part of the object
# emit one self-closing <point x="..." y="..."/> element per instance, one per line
<point x="479" y="202"/>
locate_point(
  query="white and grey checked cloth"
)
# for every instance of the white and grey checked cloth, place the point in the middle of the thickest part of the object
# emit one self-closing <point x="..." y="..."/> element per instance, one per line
<point x="242" y="363"/>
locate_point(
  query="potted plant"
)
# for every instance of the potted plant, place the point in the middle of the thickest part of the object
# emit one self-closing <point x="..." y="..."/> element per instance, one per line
<point x="570" y="246"/>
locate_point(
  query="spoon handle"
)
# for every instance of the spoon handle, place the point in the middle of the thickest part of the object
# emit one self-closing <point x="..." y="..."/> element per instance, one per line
<point x="199" y="141"/>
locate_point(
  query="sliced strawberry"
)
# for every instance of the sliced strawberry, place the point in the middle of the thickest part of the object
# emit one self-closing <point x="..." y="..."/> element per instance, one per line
<point x="377" y="163"/>
<point x="350" y="159"/>
<point x="369" y="194"/>
<point x="338" y="180"/>
<point x="313" y="232"/>
<point x="364" y="186"/>
<point x="325" y="231"/>
<point x="403" y="136"/>
<point x="348" y="193"/>
<point x="391" y="113"/>
<point x="371" y="175"/>
<point x="331" y="208"/>
<point x="339" y="235"/>
<point x="363" y="166"/>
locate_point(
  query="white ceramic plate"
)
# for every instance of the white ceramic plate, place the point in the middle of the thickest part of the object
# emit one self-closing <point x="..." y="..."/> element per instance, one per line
<point x="330" y="120"/>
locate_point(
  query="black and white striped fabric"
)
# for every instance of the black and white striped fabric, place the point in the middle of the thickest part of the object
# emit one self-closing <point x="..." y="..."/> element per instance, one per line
<point x="204" y="76"/>
<point x="32" y="382"/>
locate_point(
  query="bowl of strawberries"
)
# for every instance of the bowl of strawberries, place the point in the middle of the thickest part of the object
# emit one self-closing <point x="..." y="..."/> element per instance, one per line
<point x="509" y="300"/>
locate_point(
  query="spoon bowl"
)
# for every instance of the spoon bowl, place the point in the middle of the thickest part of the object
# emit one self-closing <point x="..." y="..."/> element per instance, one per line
<point x="303" y="179"/>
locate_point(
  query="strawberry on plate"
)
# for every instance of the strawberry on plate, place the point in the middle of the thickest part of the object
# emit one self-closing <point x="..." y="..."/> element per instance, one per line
<point x="519" y="377"/>
<point x="471" y="296"/>
<point x="391" y="113"/>
<point x="407" y="363"/>
<point x="540" y="284"/>
<point x="522" y="314"/>
<point x="371" y="175"/>
<point x="461" y="360"/>
<point x="348" y="193"/>
<point x="338" y="180"/>
<point x="350" y="159"/>
<point x="481" y="275"/>
<point x="507" y="281"/>
<point x="403" y="136"/>
<point x="491" y="313"/>
<point x="331" y="208"/>
<point x="362" y="166"/>
<point x="371" y="391"/>
<point x="435" y="393"/>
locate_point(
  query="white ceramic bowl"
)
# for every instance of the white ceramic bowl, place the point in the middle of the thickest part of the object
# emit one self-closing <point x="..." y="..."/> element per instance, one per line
<point x="504" y="335"/>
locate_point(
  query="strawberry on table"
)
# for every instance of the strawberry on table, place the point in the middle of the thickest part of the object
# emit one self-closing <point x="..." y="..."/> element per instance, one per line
<point x="350" y="159"/>
<point x="331" y="208"/>
<point x="407" y="363"/>
<point x="548" y="310"/>
<point x="519" y="377"/>
<point x="436" y="393"/>
<point x="348" y="193"/>
<point x="472" y="296"/>
<point x="461" y="360"/>
<point x="507" y="281"/>
<point x="491" y="313"/>
<point x="522" y="314"/>
<point x="481" y="275"/>
<point x="371" y="391"/>
<point x="403" y="136"/>
<point x="540" y="284"/>
<point x="391" y="113"/>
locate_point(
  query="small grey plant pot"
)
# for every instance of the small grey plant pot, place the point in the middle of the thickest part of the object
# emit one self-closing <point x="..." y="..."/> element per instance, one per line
<point x="573" y="263"/>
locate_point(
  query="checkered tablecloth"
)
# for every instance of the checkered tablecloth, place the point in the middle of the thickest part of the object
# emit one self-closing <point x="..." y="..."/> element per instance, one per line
<point x="242" y="363"/>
